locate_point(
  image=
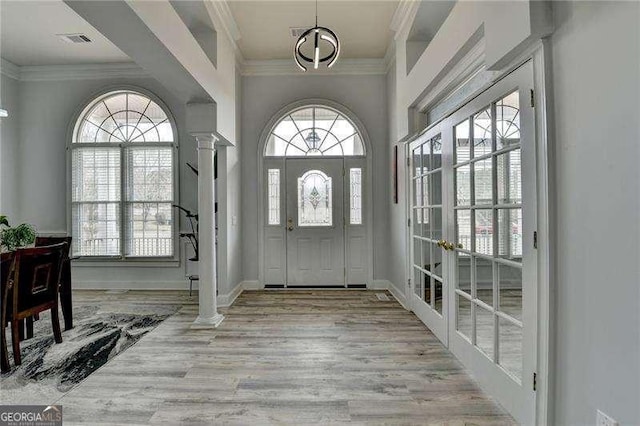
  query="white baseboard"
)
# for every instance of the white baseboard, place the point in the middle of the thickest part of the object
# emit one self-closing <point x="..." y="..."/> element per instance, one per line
<point x="133" y="285"/>
<point x="251" y="285"/>
<point x="399" y="295"/>
<point x="226" y="300"/>
<point x="378" y="285"/>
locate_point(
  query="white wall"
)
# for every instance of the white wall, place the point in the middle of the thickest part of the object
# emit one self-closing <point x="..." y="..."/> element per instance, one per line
<point x="9" y="136"/>
<point x="46" y="110"/>
<point x="264" y="96"/>
<point x="596" y="79"/>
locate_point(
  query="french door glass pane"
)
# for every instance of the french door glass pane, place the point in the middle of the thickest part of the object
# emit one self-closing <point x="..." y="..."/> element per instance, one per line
<point x="510" y="347"/>
<point x="426" y="157"/>
<point x="510" y="233"/>
<point x="436" y="219"/>
<point x="426" y="222"/>
<point x="463" y="316"/>
<point x="417" y="252"/>
<point x="95" y="174"/>
<point x="510" y="288"/>
<point x="426" y="255"/>
<point x="462" y="148"/>
<point x="417" y="191"/>
<point x="436" y="260"/>
<point x="96" y="229"/>
<point x="484" y="279"/>
<point x="435" y="195"/>
<point x="150" y="229"/>
<point x="463" y="186"/>
<point x="417" y="221"/>
<point x="483" y="182"/>
<point x="482" y="133"/>
<point x="417" y="161"/>
<point x="417" y="281"/>
<point x="463" y="270"/>
<point x="436" y="152"/>
<point x="508" y="121"/>
<point x="427" y="282"/>
<point x="484" y="330"/>
<point x="463" y="228"/>
<point x="509" y="175"/>
<point x="484" y="231"/>
<point x="424" y="198"/>
<point x="437" y="295"/>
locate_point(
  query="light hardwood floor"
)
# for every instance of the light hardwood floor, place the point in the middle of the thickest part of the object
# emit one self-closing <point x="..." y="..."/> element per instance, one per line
<point x="282" y="357"/>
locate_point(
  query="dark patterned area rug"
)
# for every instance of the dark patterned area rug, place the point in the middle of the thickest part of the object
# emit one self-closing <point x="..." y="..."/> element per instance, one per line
<point x="100" y="333"/>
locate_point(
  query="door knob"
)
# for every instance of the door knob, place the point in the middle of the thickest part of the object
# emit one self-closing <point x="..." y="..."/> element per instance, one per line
<point x="442" y="243"/>
<point x="290" y="224"/>
<point x="449" y="246"/>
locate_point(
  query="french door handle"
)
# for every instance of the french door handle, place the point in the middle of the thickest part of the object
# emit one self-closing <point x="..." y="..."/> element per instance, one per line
<point x="290" y="224"/>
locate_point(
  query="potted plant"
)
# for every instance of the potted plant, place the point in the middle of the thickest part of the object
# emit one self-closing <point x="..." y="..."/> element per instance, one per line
<point x="12" y="238"/>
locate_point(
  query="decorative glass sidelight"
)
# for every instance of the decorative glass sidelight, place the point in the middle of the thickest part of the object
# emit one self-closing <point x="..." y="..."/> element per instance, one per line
<point x="273" y="185"/>
<point x="355" y="196"/>
<point x="315" y="207"/>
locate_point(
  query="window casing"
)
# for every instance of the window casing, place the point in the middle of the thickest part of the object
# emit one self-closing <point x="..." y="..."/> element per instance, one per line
<point x="123" y="178"/>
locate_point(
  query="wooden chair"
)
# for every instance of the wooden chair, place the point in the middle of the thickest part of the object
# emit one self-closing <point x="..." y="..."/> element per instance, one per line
<point x="33" y="288"/>
<point x="65" y="278"/>
<point x="6" y="265"/>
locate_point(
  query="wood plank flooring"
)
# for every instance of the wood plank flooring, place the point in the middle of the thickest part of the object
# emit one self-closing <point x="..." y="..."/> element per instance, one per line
<point x="282" y="357"/>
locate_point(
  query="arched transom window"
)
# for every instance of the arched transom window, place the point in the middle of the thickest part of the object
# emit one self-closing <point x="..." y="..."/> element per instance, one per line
<point x="314" y="130"/>
<point x="123" y="178"/>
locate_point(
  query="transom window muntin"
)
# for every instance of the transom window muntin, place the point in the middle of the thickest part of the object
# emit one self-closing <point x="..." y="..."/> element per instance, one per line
<point x="123" y="178"/>
<point x="314" y="131"/>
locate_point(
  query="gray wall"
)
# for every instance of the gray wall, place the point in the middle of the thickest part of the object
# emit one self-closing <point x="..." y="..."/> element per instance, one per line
<point x="9" y="137"/>
<point x="263" y="96"/>
<point x="46" y="110"/>
<point x="596" y="79"/>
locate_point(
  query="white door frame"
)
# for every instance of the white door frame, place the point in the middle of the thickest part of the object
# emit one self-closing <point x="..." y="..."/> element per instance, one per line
<point x="367" y="182"/>
<point x="539" y="53"/>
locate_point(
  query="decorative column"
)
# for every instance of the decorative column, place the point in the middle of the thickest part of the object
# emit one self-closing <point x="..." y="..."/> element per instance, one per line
<point x="208" y="316"/>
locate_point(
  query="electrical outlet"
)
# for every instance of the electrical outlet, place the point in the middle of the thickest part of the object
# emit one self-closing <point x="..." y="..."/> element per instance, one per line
<point x="603" y="419"/>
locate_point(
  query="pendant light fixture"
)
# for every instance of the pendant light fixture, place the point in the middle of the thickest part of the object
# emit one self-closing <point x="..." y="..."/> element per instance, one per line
<point x="322" y="36"/>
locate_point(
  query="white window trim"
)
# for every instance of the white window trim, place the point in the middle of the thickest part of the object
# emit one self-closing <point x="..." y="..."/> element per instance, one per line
<point x="137" y="261"/>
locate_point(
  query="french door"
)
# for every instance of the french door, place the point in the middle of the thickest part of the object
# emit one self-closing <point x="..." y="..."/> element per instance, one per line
<point x="473" y="224"/>
<point x="430" y="296"/>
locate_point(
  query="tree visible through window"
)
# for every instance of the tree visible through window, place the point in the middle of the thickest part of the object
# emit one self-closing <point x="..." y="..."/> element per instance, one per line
<point x="122" y="168"/>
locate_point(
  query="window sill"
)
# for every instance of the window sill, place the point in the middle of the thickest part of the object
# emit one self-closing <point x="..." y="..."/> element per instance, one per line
<point x="126" y="263"/>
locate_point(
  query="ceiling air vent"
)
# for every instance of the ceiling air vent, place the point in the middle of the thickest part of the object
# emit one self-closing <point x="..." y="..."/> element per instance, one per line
<point x="74" y="38"/>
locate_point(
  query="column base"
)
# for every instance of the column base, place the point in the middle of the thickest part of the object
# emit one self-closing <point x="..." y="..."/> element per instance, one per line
<point x="213" y="322"/>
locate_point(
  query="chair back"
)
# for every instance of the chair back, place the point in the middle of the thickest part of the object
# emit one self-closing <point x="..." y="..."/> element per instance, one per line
<point x="49" y="241"/>
<point x="36" y="276"/>
<point x="6" y="265"/>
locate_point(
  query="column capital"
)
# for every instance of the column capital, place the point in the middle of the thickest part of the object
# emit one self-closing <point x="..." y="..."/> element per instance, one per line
<point x="206" y="140"/>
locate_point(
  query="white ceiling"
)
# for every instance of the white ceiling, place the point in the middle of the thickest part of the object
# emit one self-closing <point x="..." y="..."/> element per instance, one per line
<point x="361" y="25"/>
<point x="28" y="35"/>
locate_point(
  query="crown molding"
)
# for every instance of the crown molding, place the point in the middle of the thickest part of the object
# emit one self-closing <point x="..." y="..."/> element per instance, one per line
<point x="288" y="67"/>
<point x="72" y="72"/>
<point x="403" y="16"/>
<point x="9" y="69"/>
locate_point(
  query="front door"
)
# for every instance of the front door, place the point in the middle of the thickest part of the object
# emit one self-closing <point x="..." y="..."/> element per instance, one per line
<point x="315" y="222"/>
